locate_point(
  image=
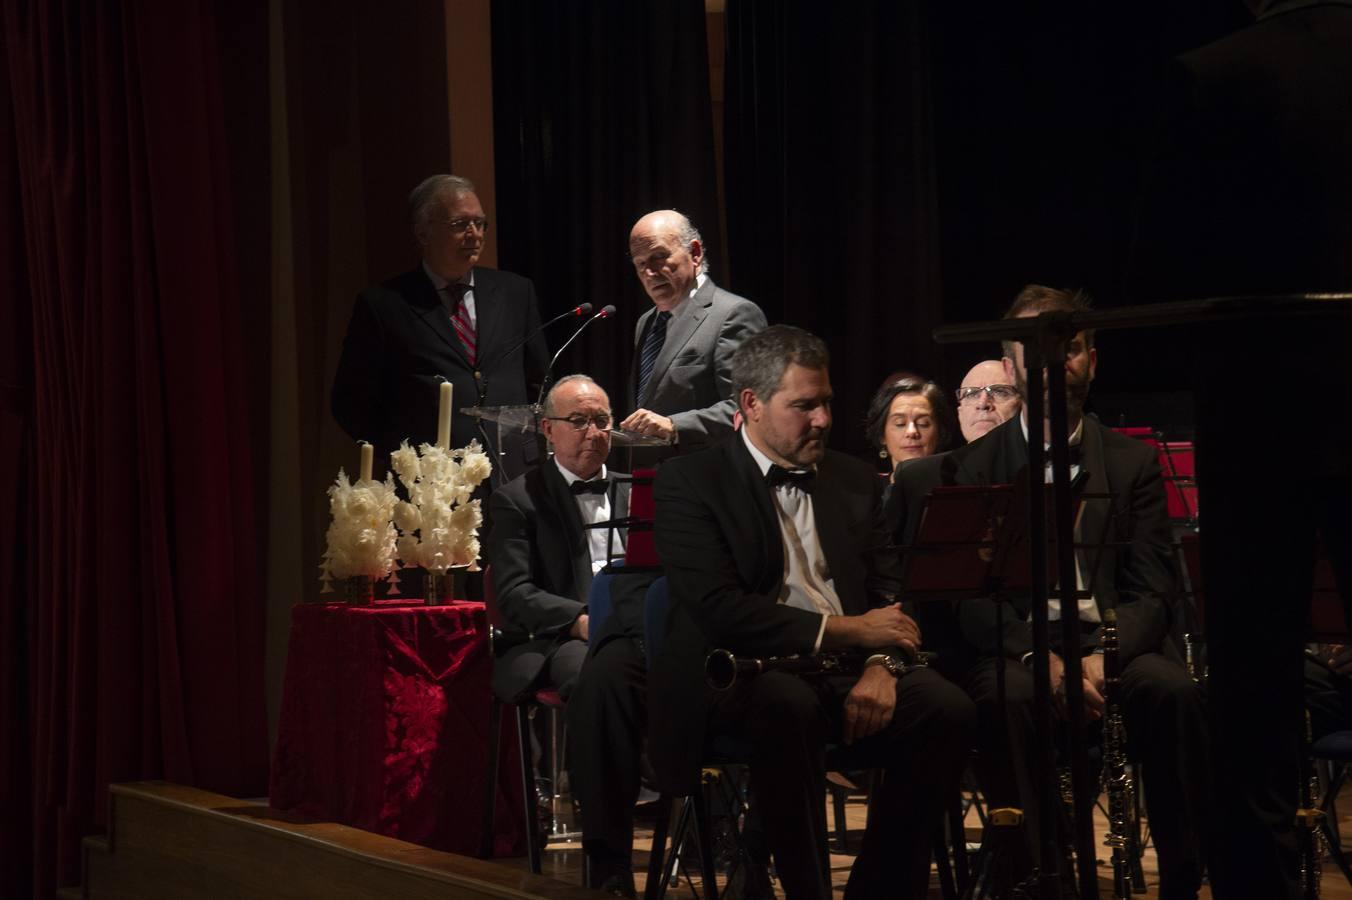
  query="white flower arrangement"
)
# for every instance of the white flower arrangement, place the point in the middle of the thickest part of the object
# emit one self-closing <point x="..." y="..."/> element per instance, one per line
<point x="439" y="523"/>
<point x="361" y="538"/>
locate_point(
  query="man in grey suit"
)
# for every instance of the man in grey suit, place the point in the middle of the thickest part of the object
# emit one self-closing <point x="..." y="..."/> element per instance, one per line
<point x="680" y="388"/>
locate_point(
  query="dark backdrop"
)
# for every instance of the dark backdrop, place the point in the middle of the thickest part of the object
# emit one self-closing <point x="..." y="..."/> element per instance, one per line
<point x="889" y="167"/>
<point x="601" y="114"/>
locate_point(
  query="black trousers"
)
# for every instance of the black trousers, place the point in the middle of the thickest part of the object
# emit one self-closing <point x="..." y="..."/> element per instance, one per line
<point x="607" y="721"/>
<point x="787" y="722"/>
<point x="1166" y="732"/>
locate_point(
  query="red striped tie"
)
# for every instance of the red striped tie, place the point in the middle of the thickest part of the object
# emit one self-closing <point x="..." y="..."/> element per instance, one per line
<point x="464" y="327"/>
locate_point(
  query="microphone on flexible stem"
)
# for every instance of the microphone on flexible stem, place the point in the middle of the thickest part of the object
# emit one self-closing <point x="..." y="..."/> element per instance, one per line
<point x="575" y="312"/>
<point x="606" y="312"/>
<point x="481" y="385"/>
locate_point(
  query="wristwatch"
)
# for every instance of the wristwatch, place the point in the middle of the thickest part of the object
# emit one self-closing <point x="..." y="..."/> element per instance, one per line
<point x="895" y="667"/>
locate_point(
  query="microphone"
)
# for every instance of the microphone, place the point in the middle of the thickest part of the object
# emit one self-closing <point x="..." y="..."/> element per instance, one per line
<point x="481" y="386"/>
<point x="607" y="311"/>
<point x="576" y="311"/>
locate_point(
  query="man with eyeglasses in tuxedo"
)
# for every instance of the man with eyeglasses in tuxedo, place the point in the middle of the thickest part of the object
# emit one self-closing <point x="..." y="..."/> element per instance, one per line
<point x="448" y="319"/>
<point x="986" y="399"/>
<point x="541" y="554"/>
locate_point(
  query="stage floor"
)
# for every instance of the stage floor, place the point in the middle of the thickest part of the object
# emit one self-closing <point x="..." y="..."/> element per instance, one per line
<point x="563" y="861"/>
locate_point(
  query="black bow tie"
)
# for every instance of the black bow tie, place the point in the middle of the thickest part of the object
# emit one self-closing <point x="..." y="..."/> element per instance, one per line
<point x="599" y="486"/>
<point x="799" y="478"/>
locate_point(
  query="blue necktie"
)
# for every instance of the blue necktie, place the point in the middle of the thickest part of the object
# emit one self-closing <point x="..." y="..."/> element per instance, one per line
<point x="652" y="346"/>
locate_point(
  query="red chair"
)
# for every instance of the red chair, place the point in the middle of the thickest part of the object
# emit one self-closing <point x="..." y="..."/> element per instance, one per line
<point x="542" y="699"/>
<point x="1179" y="466"/>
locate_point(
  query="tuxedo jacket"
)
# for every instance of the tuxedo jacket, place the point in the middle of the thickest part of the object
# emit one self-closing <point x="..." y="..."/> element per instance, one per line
<point x="541" y="568"/>
<point x="400" y="339"/>
<point x="719" y="539"/>
<point x="691" y="381"/>
<point x="1135" y="577"/>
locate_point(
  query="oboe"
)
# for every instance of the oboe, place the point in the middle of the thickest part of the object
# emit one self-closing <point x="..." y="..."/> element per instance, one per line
<point x="1118" y="782"/>
<point x="722" y="668"/>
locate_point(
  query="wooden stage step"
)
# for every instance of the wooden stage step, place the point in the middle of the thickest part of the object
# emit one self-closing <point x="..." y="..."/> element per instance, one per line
<point x="169" y="841"/>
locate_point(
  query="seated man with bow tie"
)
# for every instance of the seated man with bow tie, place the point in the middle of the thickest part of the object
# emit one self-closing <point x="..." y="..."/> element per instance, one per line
<point x="774" y="546"/>
<point x="1162" y="707"/>
<point x="543" y="560"/>
<point x="542" y="557"/>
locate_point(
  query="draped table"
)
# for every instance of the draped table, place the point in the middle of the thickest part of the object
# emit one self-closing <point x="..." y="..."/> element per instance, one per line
<point x="384" y="725"/>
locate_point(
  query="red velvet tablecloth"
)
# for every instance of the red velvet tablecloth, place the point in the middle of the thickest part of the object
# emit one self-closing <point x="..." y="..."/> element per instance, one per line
<point x="384" y="725"/>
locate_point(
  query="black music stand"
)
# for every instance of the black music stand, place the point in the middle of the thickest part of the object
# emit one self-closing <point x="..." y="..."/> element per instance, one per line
<point x="979" y="542"/>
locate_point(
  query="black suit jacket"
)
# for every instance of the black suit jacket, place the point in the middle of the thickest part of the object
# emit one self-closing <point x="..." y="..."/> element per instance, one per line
<point x="1136" y="579"/>
<point x="400" y="338"/>
<point x="719" y="540"/>
<point x="541" y="569"/>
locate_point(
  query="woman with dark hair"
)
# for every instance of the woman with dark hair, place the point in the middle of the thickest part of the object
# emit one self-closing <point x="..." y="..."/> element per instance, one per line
<point x="909" y="418"/>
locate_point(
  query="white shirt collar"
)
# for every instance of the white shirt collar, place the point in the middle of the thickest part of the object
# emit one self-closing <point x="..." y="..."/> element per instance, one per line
<point x="569" y="477"/>
<point x="764" y="462"/>
<point x="1075" y="436"/>
<point x="700" y="279"/>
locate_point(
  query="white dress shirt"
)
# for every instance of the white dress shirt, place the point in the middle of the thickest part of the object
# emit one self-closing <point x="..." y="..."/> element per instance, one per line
<point x="1089" y="611"/>
<point x="807" y="579"/>
<point x="595" y="508"/>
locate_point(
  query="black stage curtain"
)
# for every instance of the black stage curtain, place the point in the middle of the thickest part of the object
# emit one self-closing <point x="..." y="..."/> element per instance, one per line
<point x="601" y="113"/>
<point x="831" y="188"/>
<point x="895" y="166"/>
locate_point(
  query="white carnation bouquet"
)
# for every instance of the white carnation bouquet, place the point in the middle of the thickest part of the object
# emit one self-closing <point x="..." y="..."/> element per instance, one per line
<point x="439" y="523"/>
<point x="361" y="538"/>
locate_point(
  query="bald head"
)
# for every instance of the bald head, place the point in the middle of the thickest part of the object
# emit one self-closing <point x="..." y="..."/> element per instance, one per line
<point x="667" y="254"/>
<point x="983" y="410"/>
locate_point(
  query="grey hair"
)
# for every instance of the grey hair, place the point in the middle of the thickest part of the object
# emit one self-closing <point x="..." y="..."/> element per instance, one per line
<point x="422" y="197"/>
<point x="687" y="232"/>
<point x="759" y="363"/>
<point x="547" y="409"/>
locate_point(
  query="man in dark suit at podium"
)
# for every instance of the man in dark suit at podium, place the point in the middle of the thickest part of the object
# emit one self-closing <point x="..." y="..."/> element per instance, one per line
<point x="448" y="318"/>
<point x="542" y="558"/>
<point x="680" y="387"/>
<point x="775" y="546"/>
<point x="1163" y="709"/>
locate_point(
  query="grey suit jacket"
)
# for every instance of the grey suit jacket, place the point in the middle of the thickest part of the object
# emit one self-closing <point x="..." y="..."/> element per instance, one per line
<point x="691" y="381"/>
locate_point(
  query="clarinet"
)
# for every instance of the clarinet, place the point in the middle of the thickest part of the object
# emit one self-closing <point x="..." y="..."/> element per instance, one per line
<point x="1118" y="782"/>
<point x="722" y="668"/>
<point x="1308" y="819"/>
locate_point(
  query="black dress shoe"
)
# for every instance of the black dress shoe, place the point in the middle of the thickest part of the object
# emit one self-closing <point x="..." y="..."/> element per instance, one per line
<point x="621" y="884"/>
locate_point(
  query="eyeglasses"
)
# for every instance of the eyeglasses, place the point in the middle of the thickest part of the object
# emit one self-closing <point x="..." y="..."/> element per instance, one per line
<point x="1000" y="393"/>
<point x="580" y="422"/>
<point x="461" y="225"/>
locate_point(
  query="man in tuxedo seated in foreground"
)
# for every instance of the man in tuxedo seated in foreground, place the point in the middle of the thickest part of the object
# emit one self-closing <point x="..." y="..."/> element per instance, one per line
<point x="1163" y="708"/>
<point x="542" y="557"/>
<point x="775" y="546"/>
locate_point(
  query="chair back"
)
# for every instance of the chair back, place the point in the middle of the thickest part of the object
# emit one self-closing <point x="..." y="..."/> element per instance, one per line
<point x="599" y="603"/>
<point x="1179" y="468"/>
<point x="640" y="549"/>
<point x="656" y="607"/>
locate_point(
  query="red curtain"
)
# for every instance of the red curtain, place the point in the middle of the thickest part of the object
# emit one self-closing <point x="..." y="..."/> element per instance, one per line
<point x="132" y="606"/>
